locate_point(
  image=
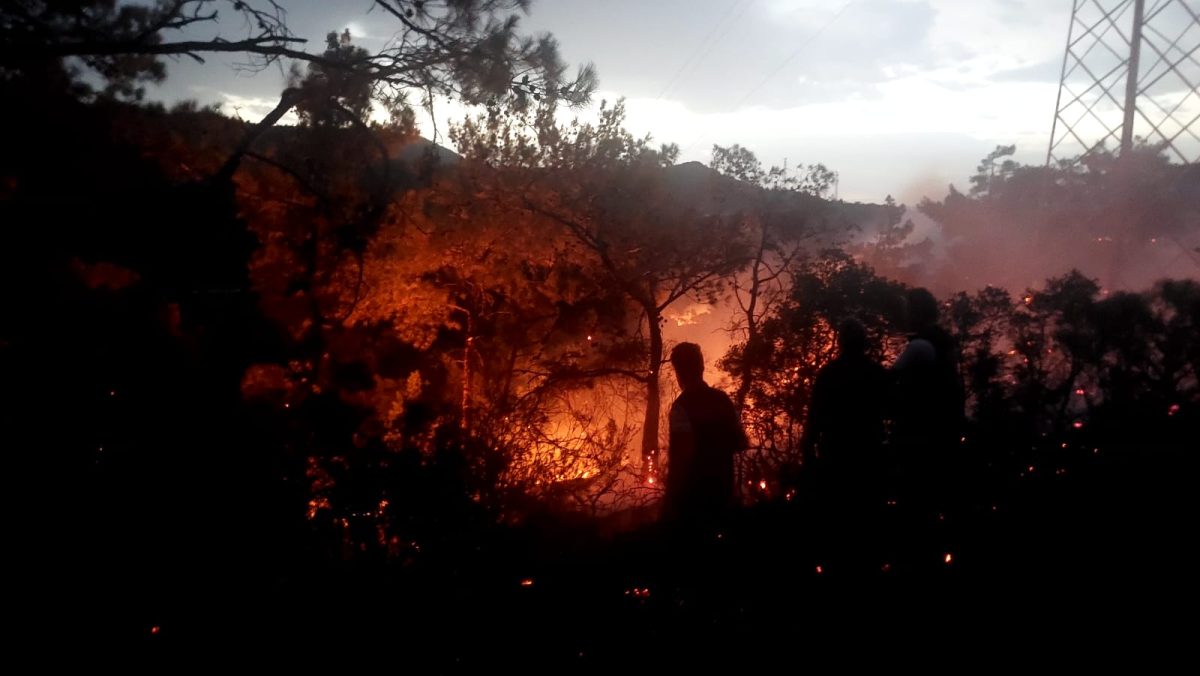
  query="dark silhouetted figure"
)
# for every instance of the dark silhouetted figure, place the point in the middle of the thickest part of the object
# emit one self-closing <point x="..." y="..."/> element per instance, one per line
<point x="705" y="434"/>
<point x="927" y="413"/>
<point x="845" y="414"/>
<point x="843" y="439"/>
<point x="929" y="402"/>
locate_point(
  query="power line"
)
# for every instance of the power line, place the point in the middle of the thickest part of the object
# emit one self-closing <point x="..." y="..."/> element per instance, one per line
<point x="783" y="64"/>
<point x="791" y="57"/>
<point x="704" y="46"/>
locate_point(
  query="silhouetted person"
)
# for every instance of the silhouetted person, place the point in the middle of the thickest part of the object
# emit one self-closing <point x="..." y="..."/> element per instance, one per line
<point x="845" y="413"/>
<point x="843" y="439"/>
<point x="927" y="412"/>
<point x="705" y="434"/>
<point x="929" y="402"/>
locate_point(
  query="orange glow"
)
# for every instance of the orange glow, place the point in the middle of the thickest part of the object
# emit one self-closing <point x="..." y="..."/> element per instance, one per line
<point x="527" y="582"/>
<point x="762" y="485"/>
<point x="948" y="558"/>
<point x="316" y="504"/>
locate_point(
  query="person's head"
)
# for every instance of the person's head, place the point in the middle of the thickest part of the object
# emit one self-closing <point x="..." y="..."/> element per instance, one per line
<point x="852" y="337"/>
<point x="688" y="363"/>
<point x="921" y="309"/>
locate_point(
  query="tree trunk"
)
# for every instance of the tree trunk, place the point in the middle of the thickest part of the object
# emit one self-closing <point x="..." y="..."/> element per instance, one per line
<point x="750" y="355"/>
<point x="653" y="406"/>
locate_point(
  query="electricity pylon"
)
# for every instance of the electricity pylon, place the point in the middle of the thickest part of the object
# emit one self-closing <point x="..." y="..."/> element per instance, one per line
<point x="1131" y="71"/>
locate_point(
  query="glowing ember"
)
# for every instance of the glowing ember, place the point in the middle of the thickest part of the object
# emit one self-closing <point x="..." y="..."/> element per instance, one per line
<point x="527" y="582"/>
<point x="1173" y="409"/>
<point x="1078" y="424"/>
<point x="762" y="485"/>
<point x="1080" y="391"/>
<point x="948" y="558"/>
<point x="790" y="494"/>
<point x="820" y="570"/>
<point x="155" y="630"/>
<point x="650" y="479"/>
<point x="887" y="568"/>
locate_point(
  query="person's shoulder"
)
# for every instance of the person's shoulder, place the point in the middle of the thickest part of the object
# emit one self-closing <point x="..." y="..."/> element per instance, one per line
<point x="921" y="348"/>
<point x="679" y="402"/>
<point x="718" y="393"/>
<point x="712" y="396"/>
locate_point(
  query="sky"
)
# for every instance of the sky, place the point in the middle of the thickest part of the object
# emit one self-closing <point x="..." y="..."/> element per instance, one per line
<point x="900" y="97"/>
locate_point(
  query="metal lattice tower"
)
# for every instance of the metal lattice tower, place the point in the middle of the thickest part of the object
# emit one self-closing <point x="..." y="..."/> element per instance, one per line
<point x="1131" y="70"/>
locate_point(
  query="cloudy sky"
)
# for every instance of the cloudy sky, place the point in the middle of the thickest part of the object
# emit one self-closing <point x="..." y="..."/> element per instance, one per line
<point x="900" y="97"/>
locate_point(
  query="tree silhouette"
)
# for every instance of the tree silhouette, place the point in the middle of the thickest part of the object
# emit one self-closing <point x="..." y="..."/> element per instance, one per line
<point x="607" y="190"/>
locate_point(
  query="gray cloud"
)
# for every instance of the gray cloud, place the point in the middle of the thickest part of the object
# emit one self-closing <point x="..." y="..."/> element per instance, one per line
<point x="1046" y="71"/>
<point x="750" y="41"/>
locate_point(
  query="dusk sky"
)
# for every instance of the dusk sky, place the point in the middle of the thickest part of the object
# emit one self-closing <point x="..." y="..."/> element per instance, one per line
<point x="900" y="97"/>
